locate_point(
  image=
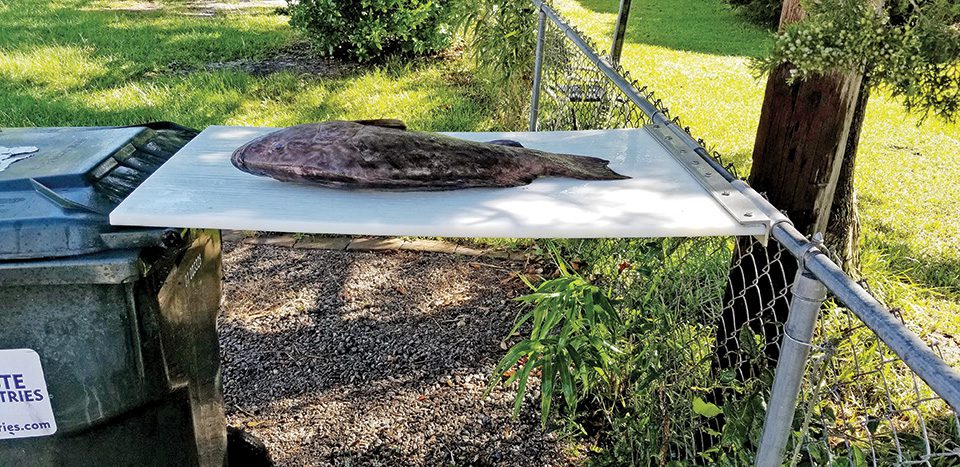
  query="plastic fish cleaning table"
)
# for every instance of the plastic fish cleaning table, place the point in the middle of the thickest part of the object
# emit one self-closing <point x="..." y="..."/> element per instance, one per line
<point x="199" y="188"/>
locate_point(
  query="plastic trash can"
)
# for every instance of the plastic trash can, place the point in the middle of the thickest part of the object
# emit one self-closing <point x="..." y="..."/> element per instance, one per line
<point x="108" y="344"/>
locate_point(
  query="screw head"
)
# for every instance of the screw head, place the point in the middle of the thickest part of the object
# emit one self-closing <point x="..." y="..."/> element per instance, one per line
<point x="748" y="214"/>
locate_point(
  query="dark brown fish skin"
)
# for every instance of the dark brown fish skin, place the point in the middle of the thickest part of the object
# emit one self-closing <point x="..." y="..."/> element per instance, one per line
<point x="381" y="155"/>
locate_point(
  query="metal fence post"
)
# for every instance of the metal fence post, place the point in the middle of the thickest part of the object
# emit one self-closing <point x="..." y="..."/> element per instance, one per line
<point x="621" y="30"/>
<point x="808" y="295"/>
<point x="537" y="68"/>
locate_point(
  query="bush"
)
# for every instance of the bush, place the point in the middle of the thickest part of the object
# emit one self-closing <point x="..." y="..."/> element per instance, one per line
<point x="501" y="37"/>
<point x="764" y="13"/>
<point x="367" y="29"/>
<point x="571" y="339"/>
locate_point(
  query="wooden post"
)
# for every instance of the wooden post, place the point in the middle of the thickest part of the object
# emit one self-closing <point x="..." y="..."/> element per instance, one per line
<point x="616" y="48"/>
<point x="843" y="228"/>
<point x="800" y="144"/>
<point x="797" y="156"/>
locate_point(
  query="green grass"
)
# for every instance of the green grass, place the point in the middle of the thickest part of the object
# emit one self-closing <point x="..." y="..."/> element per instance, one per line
<point x="696" y="55"/>
<point x="689" y="25"/>
<point x="76" y="62"/>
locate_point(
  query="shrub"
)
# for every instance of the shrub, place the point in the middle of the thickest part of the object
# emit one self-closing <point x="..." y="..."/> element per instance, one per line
<point x="627" y="342"/>
<point x="764" y="13"/>
<point x="571" y="339"/>
<point x="367" y="29"/>
<point x="501" y="37"/>
<point x="909" y="47"/>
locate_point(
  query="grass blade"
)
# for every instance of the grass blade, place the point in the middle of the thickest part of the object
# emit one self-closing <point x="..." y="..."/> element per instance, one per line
<point x="546" y="389"/>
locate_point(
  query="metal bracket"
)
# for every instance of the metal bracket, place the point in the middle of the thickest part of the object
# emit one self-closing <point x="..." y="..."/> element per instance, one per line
<point x="729" y="198"/>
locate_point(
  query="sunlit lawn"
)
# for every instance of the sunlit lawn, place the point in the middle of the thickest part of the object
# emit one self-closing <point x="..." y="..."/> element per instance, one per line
<point x="695" y="54"/>
<point x="76" y="62"/>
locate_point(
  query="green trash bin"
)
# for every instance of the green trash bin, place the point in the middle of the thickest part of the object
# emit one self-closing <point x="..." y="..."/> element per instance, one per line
<point x="108" y="344"/>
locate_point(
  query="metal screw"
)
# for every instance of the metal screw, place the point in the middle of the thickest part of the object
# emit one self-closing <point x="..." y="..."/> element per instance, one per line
<point x="748" y="214"/>
<point x="725" y="193"/>
<point x="695" y="162"/>
<point x="707" y="174"/>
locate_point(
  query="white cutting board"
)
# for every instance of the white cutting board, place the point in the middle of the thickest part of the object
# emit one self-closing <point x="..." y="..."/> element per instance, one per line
<point x="199" y="188"/>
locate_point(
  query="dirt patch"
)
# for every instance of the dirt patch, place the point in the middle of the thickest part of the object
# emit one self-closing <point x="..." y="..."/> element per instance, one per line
<point x="297" y="58"/>
<point x="197" y="7"/>
<point x="373" y="358"/>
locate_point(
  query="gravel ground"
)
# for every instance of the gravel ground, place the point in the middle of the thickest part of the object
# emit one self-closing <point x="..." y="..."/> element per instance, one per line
<point x="373" y="358"/>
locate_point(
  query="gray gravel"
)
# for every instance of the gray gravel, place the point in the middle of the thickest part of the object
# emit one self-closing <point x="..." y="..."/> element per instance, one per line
<point x="373" y="358"/>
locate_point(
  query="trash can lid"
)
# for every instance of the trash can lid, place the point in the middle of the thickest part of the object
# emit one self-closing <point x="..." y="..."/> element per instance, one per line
<point x="57" y="186"/>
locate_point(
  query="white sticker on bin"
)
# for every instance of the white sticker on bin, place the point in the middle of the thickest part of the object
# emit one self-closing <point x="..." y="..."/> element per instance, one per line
<point x="25" y="409"/>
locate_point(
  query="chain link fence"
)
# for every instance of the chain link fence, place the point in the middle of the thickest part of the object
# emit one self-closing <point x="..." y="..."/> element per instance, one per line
<point x="706" y="320"/>
<point x="691" y="351"/>
<point x="861" y="405"/>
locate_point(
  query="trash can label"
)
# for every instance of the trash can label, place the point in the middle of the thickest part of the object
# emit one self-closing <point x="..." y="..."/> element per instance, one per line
<point x="25" y="409"/>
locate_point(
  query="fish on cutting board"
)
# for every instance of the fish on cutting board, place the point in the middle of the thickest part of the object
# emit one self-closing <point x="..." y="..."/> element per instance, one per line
<point x="384" y="155"/>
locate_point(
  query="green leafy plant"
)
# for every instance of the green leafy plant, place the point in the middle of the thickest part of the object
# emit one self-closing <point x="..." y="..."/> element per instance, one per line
<point x="764" y="13"/>
<point x="501" y="36"/>
<point x="654" y="405"/>
<point x="910" y="47"/>
<point x="367" y="29"/>
<point x="573" y="326"/>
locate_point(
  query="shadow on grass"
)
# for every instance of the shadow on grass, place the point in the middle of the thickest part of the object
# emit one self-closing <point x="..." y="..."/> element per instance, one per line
<point x="129" y="44"/>
<point x="704" y="26"/>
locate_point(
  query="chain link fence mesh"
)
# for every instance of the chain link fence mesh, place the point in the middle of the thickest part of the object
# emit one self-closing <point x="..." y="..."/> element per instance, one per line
<point x="691" y="348"/>
<point x="705" y="330"/>
<point x="862" y="406"/>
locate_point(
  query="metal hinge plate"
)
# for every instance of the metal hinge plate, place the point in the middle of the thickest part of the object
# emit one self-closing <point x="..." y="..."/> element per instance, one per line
<point x="730" y="199"/>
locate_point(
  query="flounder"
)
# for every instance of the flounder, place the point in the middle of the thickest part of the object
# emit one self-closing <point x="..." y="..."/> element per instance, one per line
<point x="383" y="155"/>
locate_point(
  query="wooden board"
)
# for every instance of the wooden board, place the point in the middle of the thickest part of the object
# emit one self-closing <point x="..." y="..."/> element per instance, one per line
<point x="199" y="188"/>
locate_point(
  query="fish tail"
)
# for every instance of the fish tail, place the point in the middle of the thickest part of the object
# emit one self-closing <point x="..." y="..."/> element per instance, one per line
<point x="579" y="167"/>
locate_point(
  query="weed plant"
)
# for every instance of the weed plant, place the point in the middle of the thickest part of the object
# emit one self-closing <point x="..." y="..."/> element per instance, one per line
<point x="640" y="380"/>
<point x="629" y="338"/>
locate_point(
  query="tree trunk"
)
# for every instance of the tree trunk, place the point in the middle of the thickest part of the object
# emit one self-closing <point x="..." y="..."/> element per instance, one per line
<point x="797" y="157"/>
<point x="843" y="230"/>
<point x="800" y="144"/>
